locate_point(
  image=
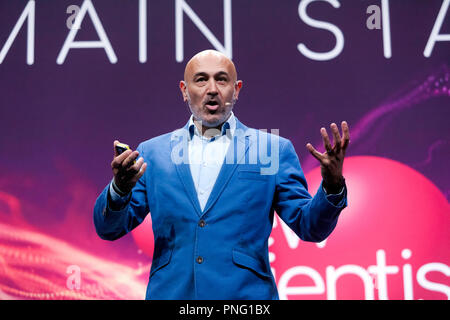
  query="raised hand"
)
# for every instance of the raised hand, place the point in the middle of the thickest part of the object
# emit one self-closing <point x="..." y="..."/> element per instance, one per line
<point x="332" y="160"/>
<point x="126" y="170"/>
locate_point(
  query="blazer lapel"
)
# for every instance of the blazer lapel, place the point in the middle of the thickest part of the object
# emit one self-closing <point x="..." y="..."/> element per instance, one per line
<point x="182" y="164"/>
<point x="227" y="170"/>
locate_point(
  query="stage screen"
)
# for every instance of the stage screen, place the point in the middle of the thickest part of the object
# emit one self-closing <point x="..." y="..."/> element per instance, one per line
<point x="77" y="74"/>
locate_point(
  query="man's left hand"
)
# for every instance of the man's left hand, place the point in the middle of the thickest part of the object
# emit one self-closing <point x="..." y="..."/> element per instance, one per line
<point x="332" y="160"/>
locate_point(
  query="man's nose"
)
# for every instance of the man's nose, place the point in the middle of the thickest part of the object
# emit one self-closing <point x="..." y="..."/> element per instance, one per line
<point x="212" y="88"/>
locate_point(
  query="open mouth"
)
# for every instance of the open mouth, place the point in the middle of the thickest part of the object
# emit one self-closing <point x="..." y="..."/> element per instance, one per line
<point x="212" y="105"/>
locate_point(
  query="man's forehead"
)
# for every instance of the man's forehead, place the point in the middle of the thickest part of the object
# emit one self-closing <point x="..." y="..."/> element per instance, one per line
<point x="209" y="62"/>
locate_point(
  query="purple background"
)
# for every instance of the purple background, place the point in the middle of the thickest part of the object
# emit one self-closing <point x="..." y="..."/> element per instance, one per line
<point x="59" y="121"/>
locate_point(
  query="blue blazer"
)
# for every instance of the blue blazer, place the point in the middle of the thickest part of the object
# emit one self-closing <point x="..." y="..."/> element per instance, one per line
<point x="222" y="251"/>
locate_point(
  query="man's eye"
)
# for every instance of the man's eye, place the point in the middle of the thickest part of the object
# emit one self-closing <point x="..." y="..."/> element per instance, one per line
<point x="200" y="79"/>
<point x="222" y="80"/>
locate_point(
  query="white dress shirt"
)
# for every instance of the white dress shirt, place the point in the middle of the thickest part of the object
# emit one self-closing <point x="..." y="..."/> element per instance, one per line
<point x="206" y="156"/>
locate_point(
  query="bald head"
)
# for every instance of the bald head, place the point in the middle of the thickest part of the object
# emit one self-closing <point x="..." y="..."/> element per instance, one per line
<point x="210" y="88"/>
<point x="207" y="58"/>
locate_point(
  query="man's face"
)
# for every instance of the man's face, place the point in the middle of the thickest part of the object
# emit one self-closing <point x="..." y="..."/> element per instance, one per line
<point x="210" y="88"/>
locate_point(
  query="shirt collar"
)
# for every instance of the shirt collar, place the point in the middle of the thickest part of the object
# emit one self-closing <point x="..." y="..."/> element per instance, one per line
<point x="227" y="129"/>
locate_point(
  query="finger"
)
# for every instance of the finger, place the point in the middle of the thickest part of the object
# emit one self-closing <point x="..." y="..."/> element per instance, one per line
<point x="326" y="139"/>
<point x="117" y="161"/>
<point x="115" y="151"/>
<point x="336" y="136"/>
<point x="346" y="135"/>
<point x="137" y="166"/>
<point x="129" y="161"/>
<point x="141" y="172"/>
<point x="316" y="154"/>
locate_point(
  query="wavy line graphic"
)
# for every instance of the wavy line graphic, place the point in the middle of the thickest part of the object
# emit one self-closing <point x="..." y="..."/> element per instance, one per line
<point x="35" y="266"/>
<point x="372" y="124"/>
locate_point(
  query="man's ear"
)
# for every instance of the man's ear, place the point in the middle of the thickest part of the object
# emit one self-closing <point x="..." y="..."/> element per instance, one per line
<point x="183" y="88"/>
<point x="237" y="88"/>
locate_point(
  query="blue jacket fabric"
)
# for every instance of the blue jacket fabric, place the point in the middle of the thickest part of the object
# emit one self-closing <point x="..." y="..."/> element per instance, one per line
<point x="226" y="255"/>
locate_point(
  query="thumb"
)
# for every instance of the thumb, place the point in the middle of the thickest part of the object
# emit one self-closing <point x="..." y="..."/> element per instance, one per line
<point x="115" y="151"/>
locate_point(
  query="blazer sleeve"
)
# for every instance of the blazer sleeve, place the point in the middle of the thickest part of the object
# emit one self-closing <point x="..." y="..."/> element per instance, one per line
<point x="311" y="218"/>
<point x="111" y="222"/>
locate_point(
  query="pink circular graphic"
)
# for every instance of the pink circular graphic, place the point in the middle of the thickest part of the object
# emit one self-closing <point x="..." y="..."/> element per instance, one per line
<point x="391" y="242"/>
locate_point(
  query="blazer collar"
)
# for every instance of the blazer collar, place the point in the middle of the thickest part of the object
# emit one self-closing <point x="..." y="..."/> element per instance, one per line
<point x="228" y="127"/>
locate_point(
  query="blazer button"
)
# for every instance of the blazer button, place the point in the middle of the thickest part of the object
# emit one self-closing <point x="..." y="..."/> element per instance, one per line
<point x="199" y="259"/>
<point x="201" y="223"/>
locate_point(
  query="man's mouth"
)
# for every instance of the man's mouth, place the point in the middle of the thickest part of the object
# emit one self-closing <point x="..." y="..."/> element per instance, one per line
<point x="212" y="105"/>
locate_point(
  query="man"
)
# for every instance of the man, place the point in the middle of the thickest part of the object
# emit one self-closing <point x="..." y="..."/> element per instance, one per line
<point x="212" y="207"/>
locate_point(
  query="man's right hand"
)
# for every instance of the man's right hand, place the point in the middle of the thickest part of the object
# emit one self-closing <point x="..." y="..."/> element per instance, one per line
<point x="126" y="171"/>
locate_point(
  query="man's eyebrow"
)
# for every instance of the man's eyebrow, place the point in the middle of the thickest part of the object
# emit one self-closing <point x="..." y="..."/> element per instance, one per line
<point x="221" y="73"/>
<point x="204" y="74"/>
